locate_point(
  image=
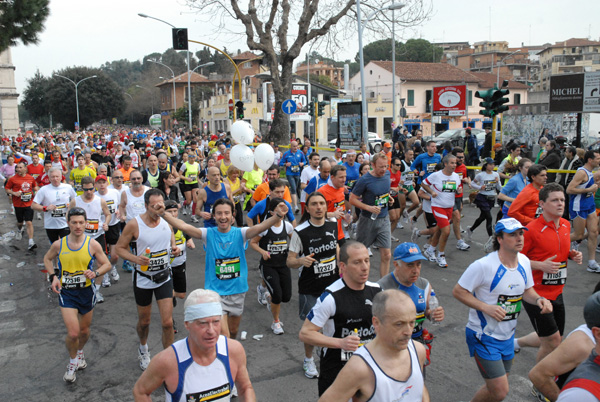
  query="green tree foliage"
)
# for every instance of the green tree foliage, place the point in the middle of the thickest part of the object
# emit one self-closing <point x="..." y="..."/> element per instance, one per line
<point x="99" y="98"/>
<point x="323" y="80"/>
<point x="22" y="20"/>
<point x="35" y="99"/>
<point x="415" y="50"/>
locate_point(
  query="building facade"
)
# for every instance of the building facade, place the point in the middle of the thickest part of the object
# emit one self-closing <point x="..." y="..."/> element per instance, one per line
<point x="9" y="110"/>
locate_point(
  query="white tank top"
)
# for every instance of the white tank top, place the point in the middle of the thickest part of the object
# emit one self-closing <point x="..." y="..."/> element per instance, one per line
<point x="135" y="205"/>
<point x="158" y="240"/>
<point x="94" y="216"/>
<point x="202" y="383"/>
<point x="584" y="328"/>
<point x="135" y="159"/>
<point x="113" y="199"/>
<point x="388" y="389"/>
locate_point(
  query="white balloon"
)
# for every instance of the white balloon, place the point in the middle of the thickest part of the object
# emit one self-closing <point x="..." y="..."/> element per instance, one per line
<point x="242" y="157"/>
<point x="242" y="132"/>
<point x="264" y="156"/>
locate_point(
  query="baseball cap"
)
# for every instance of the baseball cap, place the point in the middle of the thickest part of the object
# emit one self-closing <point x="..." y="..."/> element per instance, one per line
<point x="338" y="150"/>
<point x="28" y="151"/>
<point x="497" y="145"/>
<point x="591" y="311"/>
<point x="408" y="252"/>
<point x="508" y="225"/>
<point x="170" y="204"/>
<point x="387" y="145"/>
<point x="101" y="177"/>
<point x="488" y="160"/>
<point x="131" y="144"/>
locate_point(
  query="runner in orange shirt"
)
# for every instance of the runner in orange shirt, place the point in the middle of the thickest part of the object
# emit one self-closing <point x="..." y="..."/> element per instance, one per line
<point x="22" y="188"/>
<point x="336" y="200"/>
<point x="525" y="207"/>
<point x="262" y="190"/>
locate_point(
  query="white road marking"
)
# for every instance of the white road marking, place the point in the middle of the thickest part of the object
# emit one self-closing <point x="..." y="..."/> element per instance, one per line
<point x="8" y="306"/>
<point x="8" y="326"/>
<point x="17" y="352"/>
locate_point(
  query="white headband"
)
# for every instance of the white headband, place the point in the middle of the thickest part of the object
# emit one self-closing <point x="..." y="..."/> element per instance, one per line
<point x="202" y="310"/>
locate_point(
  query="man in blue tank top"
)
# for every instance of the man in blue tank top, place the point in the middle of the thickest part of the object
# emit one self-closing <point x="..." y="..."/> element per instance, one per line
<point x="202" y="366"/>
<point x="209" y="194"/>
<point x="226" y="269"/>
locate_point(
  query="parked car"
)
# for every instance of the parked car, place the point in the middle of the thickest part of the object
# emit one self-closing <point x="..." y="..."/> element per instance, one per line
<point x="374" y="142"/>
<point x="457" y="137"/>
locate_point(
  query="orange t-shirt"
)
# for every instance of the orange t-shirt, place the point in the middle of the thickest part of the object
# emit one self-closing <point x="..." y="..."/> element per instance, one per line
<point x="126" y="174"/>
<point x="24" y="184"/>
<point x="263" y="190"/>
<point x="335" y="198"/>
<point x="525" y="207"/>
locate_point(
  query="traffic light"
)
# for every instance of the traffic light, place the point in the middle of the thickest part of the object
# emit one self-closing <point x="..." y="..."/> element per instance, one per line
<point x="231" y="115"/>
<point x="321" y="108"/>
<point x="487" y="103"/>
<point x="239" y="109"/>
<point x="180" y="39"/>
<point x="499" y="99"/>
<point x="311" y="109"/>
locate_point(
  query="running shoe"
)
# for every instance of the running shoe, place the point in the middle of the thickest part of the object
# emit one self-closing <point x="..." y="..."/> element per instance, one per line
<point x="195" y="219"/>
<point x="370" y="252"/>
<point x="262" y="294"/>
<point x="468" y="234"/>
<point x="462" y="245"/>
<point x="399" y="226"/>
<point x="144" y="358"/>
<point x="297" y="211"/>
<point x="32" y="245"/>
<point x="114" y="274"/>
<point x="395" y="239"/>
<point x="574" y="245"/>
<point x="70" y="374"/>
<point x="106" y="281"/>
<point x="174" y="327"/>
<point x="540" y="397"/>
<point x="310" y="369"/>
<point x="81" y="363"/>
<point x="127" y="266"/>
<point x="594" y="267"/>
<point x="441" y="260"/>
<point x="488" y="247"/>
<point x="184" y="210"/>
<point x="414" y="235"/>
<point x="430" y="254"/>
<point x="39" y="216"/>
<point x="19" y="236"/>
<point x="277" y="328"/>
<point x="405" y="217"/>
<point x="99" y="297"/>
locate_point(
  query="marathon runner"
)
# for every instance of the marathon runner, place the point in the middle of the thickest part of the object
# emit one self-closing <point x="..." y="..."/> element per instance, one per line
<point x="22" y="188"/>
<point x="112" y="197"/>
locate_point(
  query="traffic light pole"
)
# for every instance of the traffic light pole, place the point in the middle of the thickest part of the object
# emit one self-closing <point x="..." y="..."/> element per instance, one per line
<point x="494" y="127"/>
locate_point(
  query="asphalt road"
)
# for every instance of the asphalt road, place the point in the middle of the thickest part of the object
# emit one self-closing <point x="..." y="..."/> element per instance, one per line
<point x="33" y="357"/>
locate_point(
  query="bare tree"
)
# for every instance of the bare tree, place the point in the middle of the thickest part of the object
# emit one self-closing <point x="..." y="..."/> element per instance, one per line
<point x="268" y="25"/>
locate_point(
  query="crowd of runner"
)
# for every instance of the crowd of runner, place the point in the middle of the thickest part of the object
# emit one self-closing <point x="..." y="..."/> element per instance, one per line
<point x="115" y="201"/>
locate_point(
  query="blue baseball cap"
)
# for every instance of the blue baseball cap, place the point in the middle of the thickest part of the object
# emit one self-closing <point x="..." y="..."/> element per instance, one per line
<point x="508" y="225"/>
<point x="408" y="252"/>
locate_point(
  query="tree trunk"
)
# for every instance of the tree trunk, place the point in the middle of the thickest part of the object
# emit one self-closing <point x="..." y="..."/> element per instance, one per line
<point x="282" y="88"/>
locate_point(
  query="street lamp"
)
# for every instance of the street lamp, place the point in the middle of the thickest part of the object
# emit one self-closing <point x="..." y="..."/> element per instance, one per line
<point x="210" y="63"/>
<point x="173" y="74"/>
<point x="188" y="71"/>
<point x="500" y="62"/>
<point x="394" y="62"/>
<point x="76" y="93"/>
<point x="151" y="93"/>
<point x="361" y="25"/>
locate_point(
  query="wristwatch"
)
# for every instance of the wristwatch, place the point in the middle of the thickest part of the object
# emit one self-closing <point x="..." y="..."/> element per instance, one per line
<point x="96" y="272"/>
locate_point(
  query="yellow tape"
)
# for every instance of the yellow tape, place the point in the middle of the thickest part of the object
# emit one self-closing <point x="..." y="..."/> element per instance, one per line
<point x="549" y="170"/>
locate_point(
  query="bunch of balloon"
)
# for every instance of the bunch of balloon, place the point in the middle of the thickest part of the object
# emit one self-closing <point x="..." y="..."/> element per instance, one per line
<point x="242" y="156"/>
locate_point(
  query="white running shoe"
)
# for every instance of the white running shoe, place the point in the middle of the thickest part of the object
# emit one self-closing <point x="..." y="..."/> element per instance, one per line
<point x="144" y="358"/>
<point x="399" y="226"/>
<point x="488" y="247"/>
<point x="106" y="281"/>
<point x="19" y="236"/>
<point x="594" y="267"/>
<point x="462" y="245"/>
<point x="39" y="216"/>
<point x="81" y="363"/>
<point x="184" y="210"/>
<point x="405" y="217"/>
<point x="430" y="254"/>
<point x="70" y="374"/>
<point x="370" y="252"/>
<point x="310" y="369"/>
<point x="114" y="274"/>
<point x="395" y="239"/>
<point x="99" y="297"/>
<point x="195" y="219"/>
<point x="277" y="328"/>
<point x="414" y="235"/>
<point x="468" y="234"/>
<point x="441" y="260"/>
<point x="262" y="294"/>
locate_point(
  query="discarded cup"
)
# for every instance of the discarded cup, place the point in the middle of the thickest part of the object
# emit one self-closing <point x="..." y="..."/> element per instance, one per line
<point x="243" y="335"/>
<point x="21" y="264"/>
<point x="257" y="337"/>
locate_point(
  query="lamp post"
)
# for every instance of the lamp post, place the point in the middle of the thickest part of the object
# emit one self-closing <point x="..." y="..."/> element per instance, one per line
<point x="76" y="93"/>
<point x="188" y="71"/>
<point x="361" y="25"/>
<point x="151" y="93"/>
<point x="173" y="75"/>
<point x="500" y="62"/>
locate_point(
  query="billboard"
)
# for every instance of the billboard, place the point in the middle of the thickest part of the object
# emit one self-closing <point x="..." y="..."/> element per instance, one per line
<point x="155" y="121"/>
<point x="349" y="124"/>
<point x="566" y="93"/>
<point x="334" y="106"/>
<point x="450" y="100"/>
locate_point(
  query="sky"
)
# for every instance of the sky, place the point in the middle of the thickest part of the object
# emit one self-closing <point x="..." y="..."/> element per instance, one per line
<point x="83" y="33"/>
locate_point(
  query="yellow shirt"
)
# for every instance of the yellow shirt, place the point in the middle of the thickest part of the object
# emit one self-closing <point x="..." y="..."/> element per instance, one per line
<point x="73" y="263"/>
<point x="77" y="174"/>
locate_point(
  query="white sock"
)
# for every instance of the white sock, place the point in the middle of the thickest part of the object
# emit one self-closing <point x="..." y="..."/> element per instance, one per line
<point x="30" y="241"/>
<point x="74" y="361"/>
<point x="306" y="359"/>
<point x="144" y="348"/>
<point x="591" y="261"/>
<point x="516" y="344"/>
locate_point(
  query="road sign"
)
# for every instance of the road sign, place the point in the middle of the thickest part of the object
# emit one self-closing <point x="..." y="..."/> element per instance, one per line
<point x="450" y="100"/>
<point x="403" y="113"/>
<point x="231" y="105"/>
<point x="288" y="106"/>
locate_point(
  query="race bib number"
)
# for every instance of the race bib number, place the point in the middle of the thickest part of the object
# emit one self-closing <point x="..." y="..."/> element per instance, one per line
<point x="78" y="187"/>
<point x="91" y="226"/>
<point x="449" y="186"/>
<point x="538" y="211"/>
<point x="239" y="198"/>
<point x="25" y="197"/>
<point x="218" y="394"/>
<point x="512" y="306"/>
<point x="559" y="278"/>
<point x="159" y="260"/>
<point x="337" y="205"/>
<point x="60" y="211"/>
<point x="382" y="200"/>
<point x="111" y="206"/>
<point x="419" y="322"/>
<point x="409" y="177"/>
<point x="192" y="177"/>
<point x="228" y="268"/>
<point x="489" y="185"/>
<point x="350" y="184"/>
<point x="460" y="175"/>
<point x="347" y="354"/>
<point x="73" y="281"/>
<point x="431" y="167"/>
<point x="325" y="266"/>
<point x="277" y="247"/>
<point x="295" y="169"/>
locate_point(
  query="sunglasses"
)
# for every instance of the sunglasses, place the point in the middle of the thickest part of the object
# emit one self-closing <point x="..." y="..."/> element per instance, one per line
<point x="88" y="189"/>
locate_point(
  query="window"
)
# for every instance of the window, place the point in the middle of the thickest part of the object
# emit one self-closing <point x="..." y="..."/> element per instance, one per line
<point x="517" y="99"/>
<point x="470" y="98"/>
<point x="410" y="94"/>
<point x="247" y="64"/>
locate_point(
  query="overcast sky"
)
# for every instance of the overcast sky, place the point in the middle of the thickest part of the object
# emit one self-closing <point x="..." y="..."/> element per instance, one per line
<point x="83" y="33"/>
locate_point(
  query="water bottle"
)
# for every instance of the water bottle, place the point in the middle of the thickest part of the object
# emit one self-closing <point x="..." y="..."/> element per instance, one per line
<point x="433" y="304"/>
<point x="144" y="268"/>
